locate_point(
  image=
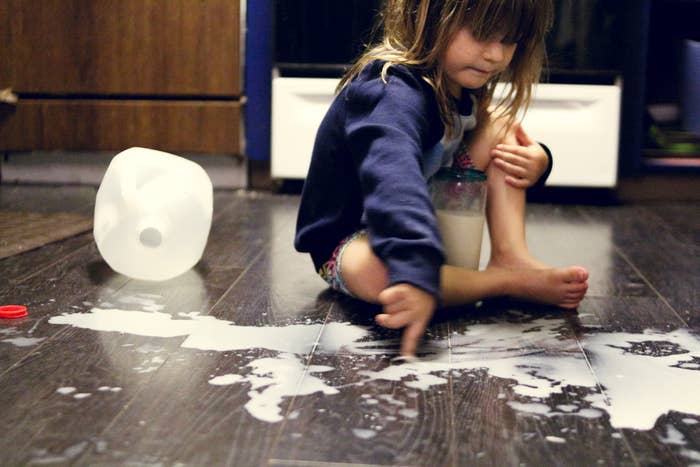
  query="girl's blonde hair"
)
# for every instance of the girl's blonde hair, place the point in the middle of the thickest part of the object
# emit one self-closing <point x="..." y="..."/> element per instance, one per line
<point x="416" y="33"/>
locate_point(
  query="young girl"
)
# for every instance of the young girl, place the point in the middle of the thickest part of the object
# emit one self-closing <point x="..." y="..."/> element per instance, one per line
<point x="408" y="106"/>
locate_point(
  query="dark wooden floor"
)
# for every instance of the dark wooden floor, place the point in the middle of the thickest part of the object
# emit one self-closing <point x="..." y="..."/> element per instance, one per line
<point x="503" y="383"/>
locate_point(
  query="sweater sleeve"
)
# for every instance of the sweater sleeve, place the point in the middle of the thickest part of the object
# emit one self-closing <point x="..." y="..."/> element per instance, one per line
<point x="543" y="178"/>
<point x="386" y="125"/>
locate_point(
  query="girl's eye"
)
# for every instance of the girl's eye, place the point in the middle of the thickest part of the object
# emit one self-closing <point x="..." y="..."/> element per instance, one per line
<point x="500" y="37"/>
<point x="505" y="39"/>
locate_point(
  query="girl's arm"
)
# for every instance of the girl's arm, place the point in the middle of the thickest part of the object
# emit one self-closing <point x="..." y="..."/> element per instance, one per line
<point x="386" y="125"/>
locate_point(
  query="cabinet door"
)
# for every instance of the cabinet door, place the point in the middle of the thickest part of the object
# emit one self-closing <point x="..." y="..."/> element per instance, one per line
<point x="124" y="47"/>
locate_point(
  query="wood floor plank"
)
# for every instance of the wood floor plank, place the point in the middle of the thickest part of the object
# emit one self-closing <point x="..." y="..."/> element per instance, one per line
<point x="43" y="199"/>
<point x="505" y="418"/>
<point x="74" y="284"/>
<point x="270" y="367"/>
<point x="63" y="357"/>
<point x="48" y="198"/>
<point x="89" y="360"/>
<point x="77" y="285"/>
<point x="204" y="423"/>
<point x="481" y="401"/>
<point x="562" y="236"/>
<point x="666" y="263"/>
<point x="369" y="421"/>
<point x="281" y="286"/>
<point x="19" y="267"/>
<point x="376" y="422"/>
<point x="622" y="321"/>
<point x="682" y="219"/>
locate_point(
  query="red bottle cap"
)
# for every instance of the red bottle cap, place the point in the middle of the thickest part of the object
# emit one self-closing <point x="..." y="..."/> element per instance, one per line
<point x="13" y="311"/>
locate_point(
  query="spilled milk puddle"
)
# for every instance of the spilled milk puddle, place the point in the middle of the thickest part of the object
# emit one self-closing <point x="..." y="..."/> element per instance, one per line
<point x="638" y="376"/>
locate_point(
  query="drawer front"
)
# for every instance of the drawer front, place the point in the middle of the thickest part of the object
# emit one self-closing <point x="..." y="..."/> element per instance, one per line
<point x="177" y="126"/>
<point x="298" y="106"/>
<point x="125" y="47"/>
<point x="579" y="123"/>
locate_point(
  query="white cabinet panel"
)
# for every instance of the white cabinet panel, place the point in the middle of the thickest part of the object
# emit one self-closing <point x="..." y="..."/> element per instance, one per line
<point x="579" y="123"/>
<point x="298" y="106"/>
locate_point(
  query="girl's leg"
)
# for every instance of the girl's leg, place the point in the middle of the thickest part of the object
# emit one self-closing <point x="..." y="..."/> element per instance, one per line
<point x="563" y="287"/>
<point x="365" y="276"/>
<point x="505" y="204"/>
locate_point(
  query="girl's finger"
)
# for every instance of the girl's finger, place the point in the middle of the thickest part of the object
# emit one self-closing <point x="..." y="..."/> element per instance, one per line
<point x="394" y="321"/>
<point x="517" y="182"/>
<point x="509" y="168"/>
<point x="390" y="294"/>
<point x="514" y="159"/>
<point x="394" y="307"/>
<point x="512" y="148"/>
<point x="411" y="337"/>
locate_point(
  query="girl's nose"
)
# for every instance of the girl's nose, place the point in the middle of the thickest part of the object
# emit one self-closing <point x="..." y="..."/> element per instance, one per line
<point x="494" y="51"/>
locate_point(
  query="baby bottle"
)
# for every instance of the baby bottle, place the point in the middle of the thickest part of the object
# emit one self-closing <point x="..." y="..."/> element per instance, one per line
<point x="152" y="214"/>
<point x="459" y="200"/>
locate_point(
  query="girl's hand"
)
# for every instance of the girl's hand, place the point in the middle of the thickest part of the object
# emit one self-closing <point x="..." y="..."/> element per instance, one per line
<point x="409" y="307"/>
<point x="523" y="163"/>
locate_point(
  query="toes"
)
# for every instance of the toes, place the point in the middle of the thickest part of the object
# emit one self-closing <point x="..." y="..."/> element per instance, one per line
<point x="575" y="274"/>
<point x="577" y="287"/>
<point x="581" y="273"/>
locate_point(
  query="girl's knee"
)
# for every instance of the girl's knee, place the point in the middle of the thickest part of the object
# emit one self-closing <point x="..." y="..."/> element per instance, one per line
<point x="497" y="130"/>
<point x="363" y="272"/>
<point x="503" y="129"/>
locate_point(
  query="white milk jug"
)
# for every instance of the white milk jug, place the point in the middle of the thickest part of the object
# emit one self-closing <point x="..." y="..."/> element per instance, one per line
<point x="152" y="214"/>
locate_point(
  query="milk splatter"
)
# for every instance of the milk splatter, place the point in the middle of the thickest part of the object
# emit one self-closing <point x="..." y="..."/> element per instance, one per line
<point x="364" y="434"/>
<point x="555" y="439"/>
<point x="45" y="457"/>
<point x="109" y="389"/>
<point x="273" y="379"/>
<point x="150" y="365"/>
<point x="148" y="302"/>
<point x="642" y="376"/>
<point x="225" y="380"/>
<point x="24" y="341"/>
<point x="673" y="436"/>
<point x="18" y="340"/>
<point x="209" y="333"/>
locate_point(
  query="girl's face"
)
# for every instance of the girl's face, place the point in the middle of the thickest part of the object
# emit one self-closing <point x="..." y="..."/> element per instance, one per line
<point x="469" y="63"/>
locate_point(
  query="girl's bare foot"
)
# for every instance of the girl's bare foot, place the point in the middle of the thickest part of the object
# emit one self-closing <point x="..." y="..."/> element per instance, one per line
<point x="564" y="288"/>
<point x="516" y="261"/>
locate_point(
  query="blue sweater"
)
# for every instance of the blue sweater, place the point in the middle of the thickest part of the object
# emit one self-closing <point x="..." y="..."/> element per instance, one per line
<point x="374" y="151"/>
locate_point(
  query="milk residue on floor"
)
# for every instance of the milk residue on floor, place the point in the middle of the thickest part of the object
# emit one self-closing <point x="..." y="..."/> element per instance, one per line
<point x="638" y="376"/>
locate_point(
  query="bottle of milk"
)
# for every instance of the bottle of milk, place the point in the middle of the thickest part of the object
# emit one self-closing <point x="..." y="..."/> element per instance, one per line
<point x="153" y="213"/>
<point x="459" y="199"/>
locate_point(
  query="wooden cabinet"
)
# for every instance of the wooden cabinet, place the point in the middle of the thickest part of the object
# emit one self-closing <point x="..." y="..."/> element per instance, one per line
<point x="109" y="74"/>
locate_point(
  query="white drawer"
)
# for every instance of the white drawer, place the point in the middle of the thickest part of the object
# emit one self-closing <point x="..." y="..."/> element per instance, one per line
<point x="579" y="123"/>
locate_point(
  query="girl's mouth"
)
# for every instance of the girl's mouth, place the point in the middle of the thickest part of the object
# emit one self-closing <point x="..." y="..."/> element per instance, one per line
<point x="479" y="71"/>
